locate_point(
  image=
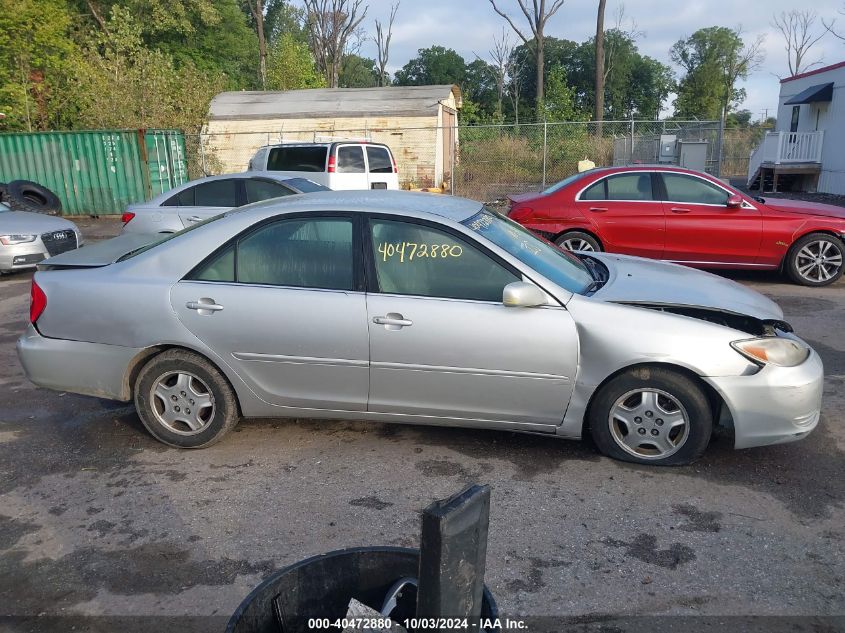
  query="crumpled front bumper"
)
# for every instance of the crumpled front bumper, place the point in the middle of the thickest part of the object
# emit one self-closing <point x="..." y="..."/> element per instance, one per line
<point x="775" y="405"/>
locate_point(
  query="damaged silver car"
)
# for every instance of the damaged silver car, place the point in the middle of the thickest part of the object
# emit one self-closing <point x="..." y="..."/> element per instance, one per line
<point x="417" y="309"/>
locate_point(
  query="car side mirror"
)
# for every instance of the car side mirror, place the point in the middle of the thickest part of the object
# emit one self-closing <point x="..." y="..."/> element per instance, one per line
<point x="734" y="201"/>
<point x="520" y="294"/>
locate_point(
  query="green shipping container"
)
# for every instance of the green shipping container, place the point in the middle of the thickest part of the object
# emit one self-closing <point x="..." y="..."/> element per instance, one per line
<point x="99" y="171"/>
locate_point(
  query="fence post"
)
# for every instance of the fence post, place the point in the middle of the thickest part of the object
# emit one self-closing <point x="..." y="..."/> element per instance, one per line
<point x="545" y="149"/>
<point x="202" y="156"/>
<point x="718" y="173"/>
<point x="452" y="147"/>
<point x="631" y="159"/>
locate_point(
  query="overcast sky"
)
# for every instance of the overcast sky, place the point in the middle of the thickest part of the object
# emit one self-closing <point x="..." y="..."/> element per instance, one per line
<point x="469" y="25"/>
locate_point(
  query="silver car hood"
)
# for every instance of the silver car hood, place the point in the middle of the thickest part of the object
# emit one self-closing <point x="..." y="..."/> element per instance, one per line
<point x="102" y="253"/>
<point x="647" y="281"/>
<point x="24" y="222"/>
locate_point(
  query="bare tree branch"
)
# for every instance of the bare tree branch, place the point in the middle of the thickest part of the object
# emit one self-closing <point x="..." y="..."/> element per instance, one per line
<point x="797" y="30"/>
<point x="537" y="15"/>
<point x="330" y="25"/>
<point x="382" y="41"/>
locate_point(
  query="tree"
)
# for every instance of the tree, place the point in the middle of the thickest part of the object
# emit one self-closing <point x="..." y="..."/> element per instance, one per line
<point x="537" y="19"/>
<point x="714" y="59"/>
<point x="382" y="41"/>
<point x="500" y="55"/>
<point x="558" y="52"/>
<point x="559" y="101"/>
<point x="431" y="66"/>
<point x="291" y="65"/>
<point x="799" y="37"/>
<point x="598" y="110"/>
<point x="358" y="72"/>
<point x="281" y="17"/>
<point x="37" y="63"/>
<point x="256" y="9"/>
<point x="331" y="23"/>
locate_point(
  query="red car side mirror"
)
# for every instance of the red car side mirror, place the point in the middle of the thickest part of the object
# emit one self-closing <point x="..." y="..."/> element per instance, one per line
<point x="734" y="201"/>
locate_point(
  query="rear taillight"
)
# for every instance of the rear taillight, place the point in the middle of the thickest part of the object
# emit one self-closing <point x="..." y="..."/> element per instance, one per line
<point x="332" y="164"/>
<point x="519" y="214"/>
<point x="37" y="302"/>
<point x="127" y="217"/>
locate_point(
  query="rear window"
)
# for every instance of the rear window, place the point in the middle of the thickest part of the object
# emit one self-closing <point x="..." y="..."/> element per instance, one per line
<point x="379" y="160"/>
<point x="298" y="158"/>
<point x="350" y="159"/>
<point x="306" y="186"/>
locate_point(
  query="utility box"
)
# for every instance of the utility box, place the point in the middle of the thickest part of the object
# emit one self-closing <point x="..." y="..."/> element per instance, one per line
<point x="667" y="149"/>
<point x="692" y="154"/>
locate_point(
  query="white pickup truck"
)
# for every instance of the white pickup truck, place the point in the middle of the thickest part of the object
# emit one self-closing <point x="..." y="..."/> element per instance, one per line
<point x="337" y="165"/>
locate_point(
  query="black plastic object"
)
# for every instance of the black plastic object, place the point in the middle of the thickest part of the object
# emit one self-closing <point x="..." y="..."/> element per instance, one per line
<point x="321" y="587"/>
<point x="454" y="553"/>
<point x="25" y="195"/>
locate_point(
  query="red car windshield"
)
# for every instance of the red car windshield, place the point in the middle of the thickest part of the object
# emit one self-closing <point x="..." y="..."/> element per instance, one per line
<point x="561" y="267"/>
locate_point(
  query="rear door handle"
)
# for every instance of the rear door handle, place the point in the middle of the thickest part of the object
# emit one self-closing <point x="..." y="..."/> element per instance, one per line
<point x="598" y="209"/>
<point x="194" y="218"/>
<point x="393" y="321"/>
<point x="207" y="304"/>
<point x="679" y="210"/>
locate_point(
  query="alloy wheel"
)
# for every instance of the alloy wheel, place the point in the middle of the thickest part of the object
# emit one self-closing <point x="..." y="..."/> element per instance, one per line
<point x="182" y="403"/>
<point x="577" y="244"/>
<point x="818" y="261"/>
<point x="649" y="423"/>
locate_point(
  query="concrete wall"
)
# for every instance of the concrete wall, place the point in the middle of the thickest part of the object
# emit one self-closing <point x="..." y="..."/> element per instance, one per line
<point x="414" y="141"/>
<point x="829" y="117"/>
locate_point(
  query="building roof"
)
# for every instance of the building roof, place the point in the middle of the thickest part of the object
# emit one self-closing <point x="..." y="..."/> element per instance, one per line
<point x="815" y="71"/>
<point x="332" y="102"/>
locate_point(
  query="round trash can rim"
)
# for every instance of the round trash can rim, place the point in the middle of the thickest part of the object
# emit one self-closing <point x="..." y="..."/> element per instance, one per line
<point x="307" y="561"/>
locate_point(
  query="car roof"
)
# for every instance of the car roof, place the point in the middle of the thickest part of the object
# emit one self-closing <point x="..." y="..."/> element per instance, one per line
<point x="266" y="175"/>
<point x="381" y="201"/>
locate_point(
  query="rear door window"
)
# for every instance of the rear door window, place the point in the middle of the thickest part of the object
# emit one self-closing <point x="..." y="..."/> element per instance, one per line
<point x="379" y="160"/>
<point x="258" y="190"/>
<point x="298" y="158"/>
<point x="635" y="186"/>
<point x="217" y="193"/>
<point x="350" y="159"/>
<point x="184" y="198"/>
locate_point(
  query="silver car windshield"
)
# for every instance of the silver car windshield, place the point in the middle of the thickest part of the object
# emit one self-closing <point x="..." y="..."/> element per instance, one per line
<point x="561" y="267"/>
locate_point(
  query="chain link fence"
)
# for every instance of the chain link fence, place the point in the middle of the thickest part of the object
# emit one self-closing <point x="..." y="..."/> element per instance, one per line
<point x="490" y="161"/>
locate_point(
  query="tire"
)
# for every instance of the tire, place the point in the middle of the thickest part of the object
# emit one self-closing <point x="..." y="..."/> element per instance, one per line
<point x="660" y="397"/>
<point x="815" y="260"/>
<point x="578" y="241"/>
<point x="174" y="423"/>
<point x="24" y="195"/>
<point x="3" y="194"/>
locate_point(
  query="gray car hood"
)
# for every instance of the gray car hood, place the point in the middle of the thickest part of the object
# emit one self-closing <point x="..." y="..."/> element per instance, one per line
<point x="102" y="253"/>
<point x="639" y="280"/>
<point x="26" y="223"/>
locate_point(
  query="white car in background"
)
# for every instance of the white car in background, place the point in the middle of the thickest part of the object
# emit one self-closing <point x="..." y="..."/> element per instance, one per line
<point x="201" y="199"/>
<point x="339" y="165"/>
<point x="28" y="238"/>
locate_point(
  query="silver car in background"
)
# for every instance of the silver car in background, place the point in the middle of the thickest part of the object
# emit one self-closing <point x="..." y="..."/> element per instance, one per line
<point x="28" y="238"/>
<point x="419" y="309"/>
<point x="201" y="199"/>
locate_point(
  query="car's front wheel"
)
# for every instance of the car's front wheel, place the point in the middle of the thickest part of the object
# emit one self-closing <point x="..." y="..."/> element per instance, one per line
<point x="815" y="260"/>
<point x="184" y="401"/>
<point x="651" y="415"/>
<point x="578" y="241"/>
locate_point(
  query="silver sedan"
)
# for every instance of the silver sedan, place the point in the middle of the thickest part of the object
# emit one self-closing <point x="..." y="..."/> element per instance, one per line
<point x="201" y="199"/>
<point x="28" y="238"/>
<point x="418" y="309"/>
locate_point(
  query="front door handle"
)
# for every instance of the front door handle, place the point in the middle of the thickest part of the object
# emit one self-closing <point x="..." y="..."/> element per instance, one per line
<point x="392" y="321"/>
<point x="598" y="209"/>
<point x="204" y="305"/>
<point x="679" y="210"/>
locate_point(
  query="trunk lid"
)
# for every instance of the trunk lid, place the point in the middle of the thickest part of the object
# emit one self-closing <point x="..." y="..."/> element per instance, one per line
<point x="101" y="253"/>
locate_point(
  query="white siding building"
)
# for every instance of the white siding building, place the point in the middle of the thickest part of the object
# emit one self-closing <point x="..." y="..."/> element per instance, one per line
<point x="806" y="152"/>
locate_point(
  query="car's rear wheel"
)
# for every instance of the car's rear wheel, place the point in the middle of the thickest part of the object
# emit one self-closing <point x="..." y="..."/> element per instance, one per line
<point x="815" y="260"/>
<point x="578" y="241"/>
<point x="184" y="401"/>
<point x="651" y="415"/>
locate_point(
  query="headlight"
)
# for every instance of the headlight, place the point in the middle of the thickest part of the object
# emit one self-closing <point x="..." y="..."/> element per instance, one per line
<point x="11" y="240"/>
<point x="783" y="352"/>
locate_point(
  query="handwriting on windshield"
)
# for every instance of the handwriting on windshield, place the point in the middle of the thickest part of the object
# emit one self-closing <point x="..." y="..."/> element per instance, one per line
<point x="408" y="251"/>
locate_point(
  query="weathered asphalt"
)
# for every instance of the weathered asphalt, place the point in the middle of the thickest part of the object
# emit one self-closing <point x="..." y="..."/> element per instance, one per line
<point x="97" y="518"/>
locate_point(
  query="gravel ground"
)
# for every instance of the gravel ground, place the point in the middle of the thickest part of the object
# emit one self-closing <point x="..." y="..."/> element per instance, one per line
<point x="98" y="519"/>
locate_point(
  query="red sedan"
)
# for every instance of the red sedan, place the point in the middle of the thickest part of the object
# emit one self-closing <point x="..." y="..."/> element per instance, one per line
<point x="687" y="217"/>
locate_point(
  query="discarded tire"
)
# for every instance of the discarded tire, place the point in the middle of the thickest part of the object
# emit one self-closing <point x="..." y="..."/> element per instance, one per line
<point x="2" y="192"/>
<point x="321" y="587"/>
<point x="25" y="195"/>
